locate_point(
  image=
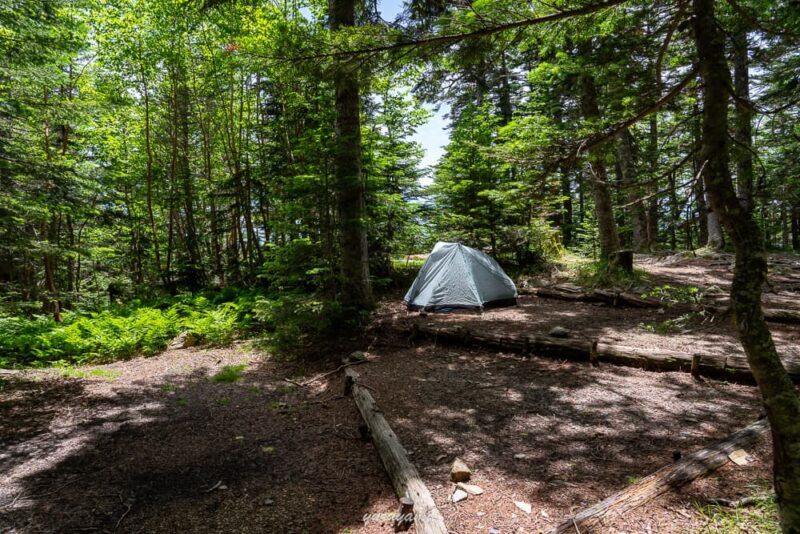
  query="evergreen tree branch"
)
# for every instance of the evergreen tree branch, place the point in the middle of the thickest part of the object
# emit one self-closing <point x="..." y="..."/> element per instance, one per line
<point x="458" y="37"/>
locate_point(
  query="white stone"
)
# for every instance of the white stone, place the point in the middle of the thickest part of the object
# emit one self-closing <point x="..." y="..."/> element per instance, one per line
<point x="524" y="506"/>
<point x="472" y="489"/>
<point x="459" y="495"/>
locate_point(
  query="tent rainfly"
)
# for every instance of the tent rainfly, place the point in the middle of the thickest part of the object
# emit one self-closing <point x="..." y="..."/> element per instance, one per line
<point x="457" y="276"/>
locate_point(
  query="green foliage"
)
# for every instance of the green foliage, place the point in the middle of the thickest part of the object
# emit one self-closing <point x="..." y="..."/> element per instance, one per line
<point x="675" y="295"/>
<point x="73" y="372"/>
<point x="229" y="374"/>
<point x="671" y="326"/>
<point x="297" y="265"/>
<point x="297" y="323"/>
<point x="120" y="331"/>
<point x="601" y="274"/>
<point x="761" y="517"/>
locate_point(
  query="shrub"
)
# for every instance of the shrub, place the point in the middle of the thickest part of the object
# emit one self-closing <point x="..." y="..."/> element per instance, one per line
<point x="296" y="323"/>
<point x="121" y="331"/>
<point x="676" y="295"/>
<point x="229" y="374"/>
<point x="603" y="274"/>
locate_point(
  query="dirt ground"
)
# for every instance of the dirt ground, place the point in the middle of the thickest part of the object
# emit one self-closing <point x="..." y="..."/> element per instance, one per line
<point x="153" y="445"/>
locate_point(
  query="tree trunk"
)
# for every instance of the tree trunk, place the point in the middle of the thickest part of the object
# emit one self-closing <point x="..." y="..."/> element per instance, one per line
<point x="356" y="291"/>
<point x="715" y="239"/>
<point x="674" y="213"/>
<point x="702" y="213"/>
<point x="567" y="224"/>
<point x="796" y="228"/>
<point x="50" y="301"/>
<point x="604" y="211"/>
<point x="193" y="270"/>
<point x="784" y="226"/>
<point x="781" y="401"/>
<point x="149" y="176"/>
<point x="628" y="175"/>
<point x="744" y="120"/>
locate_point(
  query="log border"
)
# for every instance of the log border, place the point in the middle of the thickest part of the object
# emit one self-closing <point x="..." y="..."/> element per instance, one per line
<point x="404" y="476"/>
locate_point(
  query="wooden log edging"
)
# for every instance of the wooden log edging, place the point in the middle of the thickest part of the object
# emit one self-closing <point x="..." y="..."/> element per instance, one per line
<point x="605" y="296"/>
<point x="404" y="476"/>
<point x="772" y="315"/>
<point x="667" y="478"/>
<point x="629" y="300"/>
<point x="728" y="367"/>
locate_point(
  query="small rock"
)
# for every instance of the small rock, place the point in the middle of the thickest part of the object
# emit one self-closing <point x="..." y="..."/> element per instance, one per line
<point x="459" y="472"/>
<point x="494" y="531"/>
<point x="524" y="506"/>
<point x="459" y="495"/>
<point x="739" y="457"/>
<point x="472" y="489"/>
<point x="559" y="331"/>
<point x="184" y="340"/>
<point x="223" y="487"/>
<point x="519" y="456"/>
<point x="268" y="502"/>
<point x="355" y="356"/>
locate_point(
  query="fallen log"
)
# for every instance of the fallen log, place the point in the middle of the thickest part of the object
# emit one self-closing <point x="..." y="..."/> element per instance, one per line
<point x="667" y="478"/>
<point x="629" y="300"/>
<point x="605" y="296"/>
<point x="404" y="476"/>
<point x="773" y="315"/>
<point x="729" y="367"/>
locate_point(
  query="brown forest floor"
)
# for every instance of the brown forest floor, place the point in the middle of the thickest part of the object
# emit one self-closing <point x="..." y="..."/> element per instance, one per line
<point x="140" y="453"/>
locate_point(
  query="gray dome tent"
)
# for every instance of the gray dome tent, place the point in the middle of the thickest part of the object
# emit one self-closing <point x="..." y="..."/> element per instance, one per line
<point x="457" y="276"/>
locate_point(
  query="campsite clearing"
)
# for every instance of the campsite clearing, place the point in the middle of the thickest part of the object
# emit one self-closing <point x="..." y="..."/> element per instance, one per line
<point x="162" y="447"/>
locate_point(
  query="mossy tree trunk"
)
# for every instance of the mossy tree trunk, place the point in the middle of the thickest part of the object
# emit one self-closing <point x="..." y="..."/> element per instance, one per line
<point x="598" y="175"/>
<point x="356" y="291"/>
<point x="778" y="393"/>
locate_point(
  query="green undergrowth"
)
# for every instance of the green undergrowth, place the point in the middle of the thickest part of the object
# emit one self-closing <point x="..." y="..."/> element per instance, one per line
<point x="288" y="323"/>
<point x="601" y="274"/>
<point x="107" y="374"/>
<point x="229" y="374"/>
<point x="760" y="517"/>
<point x="678" y="324"/>
<point x="122" y="331"/>
<point x="671" y="295"/>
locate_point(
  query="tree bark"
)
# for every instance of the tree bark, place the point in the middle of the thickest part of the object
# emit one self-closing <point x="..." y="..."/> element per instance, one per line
<point x="355" y="291"/>
<point x="604" y="211"/>
<point x="404" y="476"/>
<point x="193" y="270"/>
<point x="715" y="239"/>
<point x="628" y="175"/>
<point x="781" y="402"/>
<point x="51" y="303"/>
<point x="567" y="224"/>
<point x="744" y="119"/>
<point x="674" y="212"/>
<point x="149" y="174"/>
